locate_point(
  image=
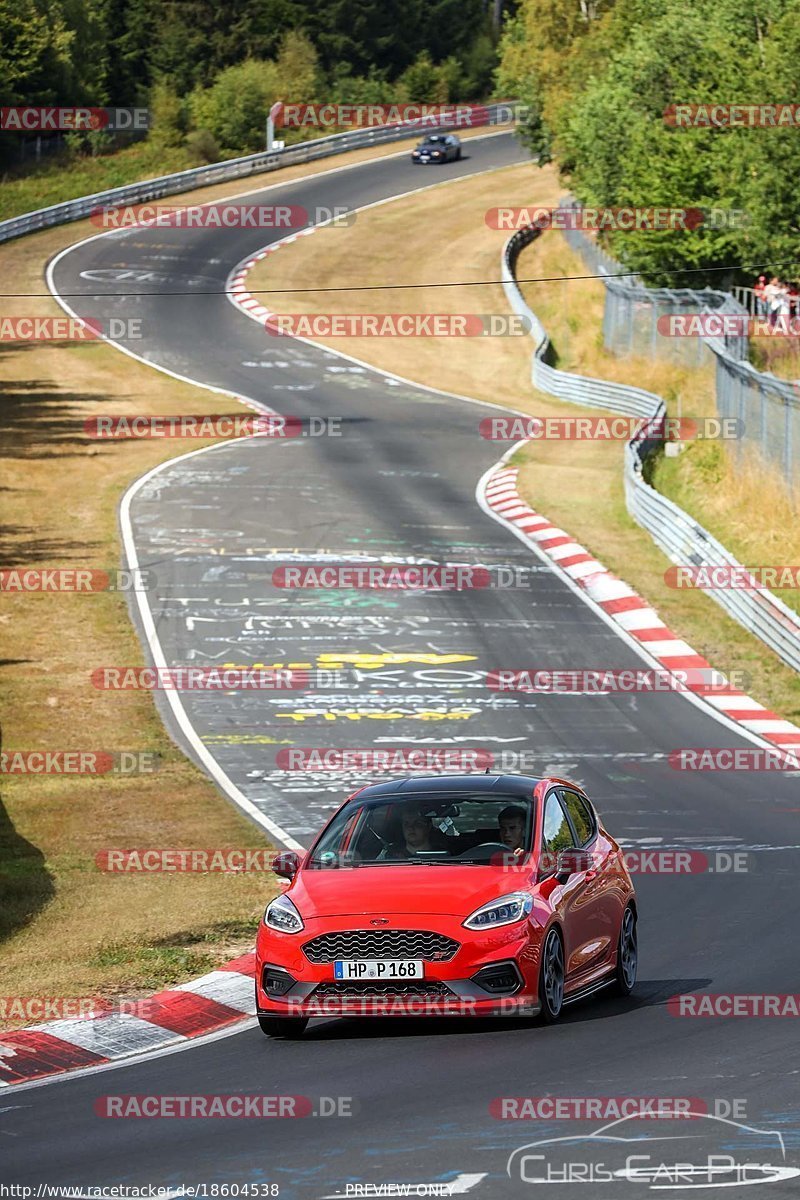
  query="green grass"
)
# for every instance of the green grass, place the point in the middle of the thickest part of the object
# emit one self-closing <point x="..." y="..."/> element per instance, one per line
<point x="65" y="177"/>
<point x="163" y="962"/>
<point x="744" y="505"/>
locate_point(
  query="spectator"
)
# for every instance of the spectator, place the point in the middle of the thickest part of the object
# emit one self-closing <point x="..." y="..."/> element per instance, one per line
<point x="784" y="305"/>
<point x="758" y="292"/>
<point x="794" y="300"/>
<point x="772" y="295"/>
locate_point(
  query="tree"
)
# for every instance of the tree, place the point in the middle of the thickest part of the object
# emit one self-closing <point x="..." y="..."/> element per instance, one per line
<point x="234" y="109"/>
<point x="599" y="80"/>
<point x="297" y="67"/>
<point x="168" y="117"/>
<point x="34" y="51"/>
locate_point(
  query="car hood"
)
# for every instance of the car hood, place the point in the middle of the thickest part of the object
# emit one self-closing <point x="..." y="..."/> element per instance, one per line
<point x="446" y="891"/>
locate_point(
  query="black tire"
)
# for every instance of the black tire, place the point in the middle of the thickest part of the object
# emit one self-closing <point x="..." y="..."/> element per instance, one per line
<point x="458" y="154"/>
<point x="551" y="978"/>
<point x="282" y="1027"/>
<point x="627" y="954"/>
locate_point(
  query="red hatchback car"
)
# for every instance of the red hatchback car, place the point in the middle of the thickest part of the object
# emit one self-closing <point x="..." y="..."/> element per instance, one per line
<point x="448" y="895"/>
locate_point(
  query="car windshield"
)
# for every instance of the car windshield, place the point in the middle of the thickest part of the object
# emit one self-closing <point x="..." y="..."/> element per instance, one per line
<point x="397" y="829"/>
<point x="436" y="138"/>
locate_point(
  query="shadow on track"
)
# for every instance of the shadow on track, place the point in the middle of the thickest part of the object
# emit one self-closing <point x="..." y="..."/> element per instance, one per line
<point x="653" y="993"/>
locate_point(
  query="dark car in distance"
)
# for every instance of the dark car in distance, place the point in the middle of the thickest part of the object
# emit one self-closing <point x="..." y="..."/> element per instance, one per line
<point x="437" y="148"/>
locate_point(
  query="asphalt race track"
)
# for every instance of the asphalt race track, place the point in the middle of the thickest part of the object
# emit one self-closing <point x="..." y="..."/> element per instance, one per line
<point x="407" y="669"/>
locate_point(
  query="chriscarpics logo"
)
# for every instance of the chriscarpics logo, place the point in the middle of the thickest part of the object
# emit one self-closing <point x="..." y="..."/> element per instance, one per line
<point x="663" y="1155"/>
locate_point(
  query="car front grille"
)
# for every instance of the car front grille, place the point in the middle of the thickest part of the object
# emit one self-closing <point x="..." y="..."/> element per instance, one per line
<point x="400" y="987"/>
<point x="381" y="943"/>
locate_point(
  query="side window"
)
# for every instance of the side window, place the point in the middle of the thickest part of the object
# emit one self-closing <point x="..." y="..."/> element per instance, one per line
<point x="581" y="816"/>
<point x="556" y="830"/>
<point x="349" y="830"/>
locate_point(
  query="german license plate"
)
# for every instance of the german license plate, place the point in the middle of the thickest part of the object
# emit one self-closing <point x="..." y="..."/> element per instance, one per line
<point x="381" y="968"/>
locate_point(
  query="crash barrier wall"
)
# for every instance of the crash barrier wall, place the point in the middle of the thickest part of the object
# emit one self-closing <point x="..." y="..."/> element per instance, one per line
<point x="767" y="408"/>
<point x="236" y="168"/>
<point x="674" y="531"/>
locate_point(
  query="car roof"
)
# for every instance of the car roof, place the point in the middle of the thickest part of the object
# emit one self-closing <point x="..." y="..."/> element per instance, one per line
<point x="443" y="785"/>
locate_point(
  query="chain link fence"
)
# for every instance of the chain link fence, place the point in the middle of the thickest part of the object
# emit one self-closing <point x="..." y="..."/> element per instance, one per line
<point x="767" y="408"/>
<point x="682" y="539"/>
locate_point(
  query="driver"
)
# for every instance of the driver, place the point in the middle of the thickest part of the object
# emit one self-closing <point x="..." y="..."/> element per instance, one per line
<point x="512" y="821"/>
<point x="417" y="830"/>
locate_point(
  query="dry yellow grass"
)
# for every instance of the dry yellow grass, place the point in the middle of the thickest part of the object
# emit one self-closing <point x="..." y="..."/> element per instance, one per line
<point x="70" y="929"/>
<point x="445" y="239"/>
<point x="585" y="491"/>
<point x="67" y="928"/>
<point x="747" y="507"/>
<point x="87" y="932"/>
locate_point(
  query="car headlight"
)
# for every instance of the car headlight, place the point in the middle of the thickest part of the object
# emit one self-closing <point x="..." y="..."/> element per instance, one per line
<point x="281" y="914"/>
<point x="505" y="910"/>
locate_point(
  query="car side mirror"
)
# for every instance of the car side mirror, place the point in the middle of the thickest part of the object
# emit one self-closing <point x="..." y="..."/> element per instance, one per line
<point x="286" y="864"/>
<point x="571" y="862"/>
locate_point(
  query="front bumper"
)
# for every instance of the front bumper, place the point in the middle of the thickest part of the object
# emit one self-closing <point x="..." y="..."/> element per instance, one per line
<point x="465" y="984"/>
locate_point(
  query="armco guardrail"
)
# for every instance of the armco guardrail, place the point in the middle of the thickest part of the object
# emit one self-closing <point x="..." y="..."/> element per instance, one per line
<point x="678" y="535"/>
<point x="767" y="407"/>
<point x="596" y="393"/>
<point x="235" y="168"/>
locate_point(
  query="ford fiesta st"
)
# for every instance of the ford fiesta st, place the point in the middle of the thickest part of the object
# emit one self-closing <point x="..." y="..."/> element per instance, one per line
<point x="437" y="148"/>
<point x="448" y="895"/>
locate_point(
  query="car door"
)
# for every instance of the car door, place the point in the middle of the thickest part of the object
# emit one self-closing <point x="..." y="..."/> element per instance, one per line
<point x="565" y="892"/>
<point x="599" y="902"/>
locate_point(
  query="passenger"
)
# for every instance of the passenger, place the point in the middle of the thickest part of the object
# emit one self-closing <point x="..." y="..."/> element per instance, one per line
<point x="418" y="833"/>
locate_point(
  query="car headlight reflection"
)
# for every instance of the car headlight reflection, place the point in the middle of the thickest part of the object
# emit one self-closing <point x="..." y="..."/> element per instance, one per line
<point x="505" y="910"/>
<point x="281" y="914"/>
